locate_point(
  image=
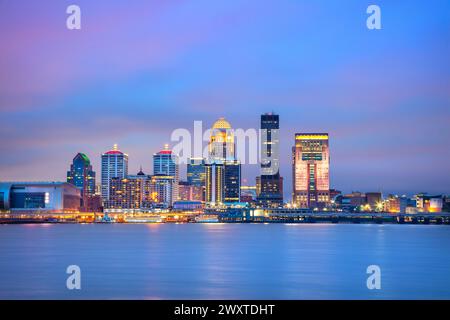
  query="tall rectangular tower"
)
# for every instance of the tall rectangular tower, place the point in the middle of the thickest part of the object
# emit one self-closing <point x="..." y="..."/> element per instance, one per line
<point x="114" y="165"/>
<point x="166" y="163"/>
<point x="270" y="183"/>
<point x="311" y="165"/>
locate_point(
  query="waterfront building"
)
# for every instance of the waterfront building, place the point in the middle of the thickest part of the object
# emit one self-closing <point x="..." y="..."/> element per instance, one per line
<point x="395" y="204"/>
<point x="82" y="176"/>
<point x="189" y="192"/>
<point x="187" y="206"/>
<point x="222" y="169"/>
<point x="221" y="143"/>
<point x="311" y="163"/>
<point x="114" y="165"/>
<point x="427" y="203"/>
<point x="126" y="193"/>
<point x="248" y="194"/>
<point x="196" y="172"/>
<point x="214" y="183"/>
<point x="165" y="163"/>
<point x="164" y="190"/>
<point x="270" y="183"/>
<point x="232" y="181"/>
<point x="374" y="200"/>
<point x="39" y="197"/>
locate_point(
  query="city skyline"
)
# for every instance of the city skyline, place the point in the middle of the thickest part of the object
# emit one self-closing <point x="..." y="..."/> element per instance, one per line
<point x="382" y="96"/>
<point x="250" y="181"/>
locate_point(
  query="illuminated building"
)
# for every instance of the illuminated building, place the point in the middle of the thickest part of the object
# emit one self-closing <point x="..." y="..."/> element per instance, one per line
<point x="189" y="192"/>
<point x="221" y="143"/>
<point x="164" y="194"/>
<point x="248" y="194"/>
<point x="395" y="204"/>
<point x="214" y="183"/>
<point x="196" y="172"/>
<point x="311" y="162"/>
<point x="222" y="169"/>
<point x="165" y="163"/>
<point x="426" y="203"/>
<point x="374" y="199"/>
<point x="125" y="193"/>
<point x="270" y="184"/>
<point x="114" y="165"/>
<point x="187" y="205"/>
<point x="39" y="197"/>
<point x="232" y="181"/>
<point x="82" y="176"/>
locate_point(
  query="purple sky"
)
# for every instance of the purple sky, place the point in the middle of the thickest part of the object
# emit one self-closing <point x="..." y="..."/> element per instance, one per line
<point x="137" y="70"/>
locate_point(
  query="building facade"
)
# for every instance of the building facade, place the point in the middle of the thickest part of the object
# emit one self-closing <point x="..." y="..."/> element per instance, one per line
<point x="222" y="169"/>
<point x="214" y="183"/>
<point x="39" y="197"/>
<point x="165" y="163"/>
<point x="190" y="192"/>
<point x="311" y="163"/>
<point x="270" y="183"/>
<point x="82" y="176"/>
<point x="164" y="194"/>
<point x="221" y="143"/>
<point x="196" y="172"/>
<point x="232" y="181"/>
<point x="114" y="165"/>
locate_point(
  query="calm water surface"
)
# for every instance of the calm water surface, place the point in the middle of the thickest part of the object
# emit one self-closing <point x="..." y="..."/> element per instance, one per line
<point x="224" y="261"/>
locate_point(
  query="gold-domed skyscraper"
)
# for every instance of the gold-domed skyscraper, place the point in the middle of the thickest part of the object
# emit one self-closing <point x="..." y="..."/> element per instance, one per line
<point x="221" y="142"/>
<point x="222" y="170"/>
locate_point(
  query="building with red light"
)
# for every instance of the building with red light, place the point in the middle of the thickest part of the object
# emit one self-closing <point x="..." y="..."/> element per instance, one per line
<point x="114" y="165"/>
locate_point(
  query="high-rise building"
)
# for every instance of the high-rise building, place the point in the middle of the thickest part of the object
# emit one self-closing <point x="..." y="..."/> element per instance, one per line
<point x="165" y="163"/>
<point x="126" y="193"/>
<point x="221" y="143"/>
<point x="270" y="183"/>
<point x="82" y="176"/>
<point x="196" y="172"/>
<point x="164" y="194"/>
<point x="222" y="169"/>
<point x="132" y="192"/>
<point x="214" y="183"/>
<point x="114" y="165"/>
<point x="311" y="163"/>
<point x="232" y="181"/>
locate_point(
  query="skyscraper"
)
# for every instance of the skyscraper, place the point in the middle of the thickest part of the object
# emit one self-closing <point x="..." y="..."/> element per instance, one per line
<point x="223" y="170"/>
<point x="82" y="176"/>
<point x="114" y="165"/>
<point x="311" y="163"/>
<point x="232" y="181"/>
<point x="270" y="184"/>
<point x="196" y="172"/>
<point x="165" y="163"/>
<point x="221" y="142"/>
<point x="214" y="183"/>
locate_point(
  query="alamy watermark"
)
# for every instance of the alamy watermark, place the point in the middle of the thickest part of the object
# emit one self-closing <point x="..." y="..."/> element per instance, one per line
<point x="73" y="282"/>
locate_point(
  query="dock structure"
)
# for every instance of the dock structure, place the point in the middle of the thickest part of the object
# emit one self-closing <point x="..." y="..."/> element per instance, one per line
<point x="269" y="215"/>
<point x="233" y="215"/>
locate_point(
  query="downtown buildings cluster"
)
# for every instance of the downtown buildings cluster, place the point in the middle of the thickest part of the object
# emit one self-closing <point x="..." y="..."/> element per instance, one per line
<point x="212" y="182"/>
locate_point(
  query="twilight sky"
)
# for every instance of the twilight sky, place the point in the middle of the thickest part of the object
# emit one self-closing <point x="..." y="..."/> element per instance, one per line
<point x="137" y="70"/>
